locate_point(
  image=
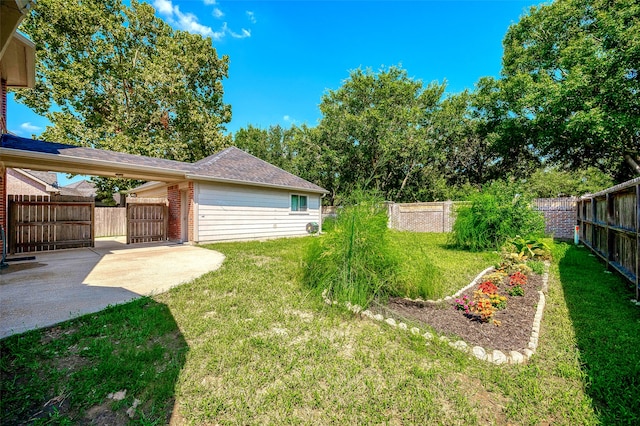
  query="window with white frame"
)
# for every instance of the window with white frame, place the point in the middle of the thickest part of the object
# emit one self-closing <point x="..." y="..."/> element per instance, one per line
<point x="298" y="203"/>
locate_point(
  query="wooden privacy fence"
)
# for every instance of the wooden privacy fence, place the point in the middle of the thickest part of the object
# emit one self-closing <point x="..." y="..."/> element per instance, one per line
<point x="609" y="226"/>
<point x="146" y="221"/>
<point x="110" y="221"/>
<point x="41" y="223"/>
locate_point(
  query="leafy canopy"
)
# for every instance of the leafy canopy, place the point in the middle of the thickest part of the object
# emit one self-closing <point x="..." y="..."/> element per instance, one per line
<point x="571" y="75"/>
<point x="117" y="77"/>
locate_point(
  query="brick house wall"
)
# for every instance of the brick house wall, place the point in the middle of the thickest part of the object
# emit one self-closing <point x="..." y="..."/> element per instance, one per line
<point x="19" y="184"/>
<point x="173" y="196"/>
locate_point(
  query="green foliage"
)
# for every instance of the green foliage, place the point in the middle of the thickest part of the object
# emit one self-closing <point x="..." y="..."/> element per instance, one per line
<point x="570" y="76"/>
<point x="117" y="77"/>
<point x="354" y="262"/>
<point x="328" y="224"/>
<point x="536" y="266"/>
<point x="530" y="247"/>
<point x="551" y="183"/>
<point x="516" y="290"/>
<point x="373" y="132"/>
<point x="494" y="216"/>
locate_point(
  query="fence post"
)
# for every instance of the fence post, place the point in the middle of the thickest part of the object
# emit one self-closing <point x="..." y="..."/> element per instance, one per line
<point x="610" y="235"/>
<point x="637" y="241"/>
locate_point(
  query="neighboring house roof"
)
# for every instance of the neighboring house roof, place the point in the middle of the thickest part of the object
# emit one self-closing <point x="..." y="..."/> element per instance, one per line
<point x="48" y="180"/>
<point x="83" y="188"/>
<point x="231" y="165"/>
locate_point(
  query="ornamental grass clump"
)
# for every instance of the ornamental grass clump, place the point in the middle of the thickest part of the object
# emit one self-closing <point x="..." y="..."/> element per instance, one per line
<point x="354" y="263"/>
<point x="493" y="217"/>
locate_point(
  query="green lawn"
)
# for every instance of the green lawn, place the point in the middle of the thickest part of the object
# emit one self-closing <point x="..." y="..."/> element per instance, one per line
<point x="248" y="344"/>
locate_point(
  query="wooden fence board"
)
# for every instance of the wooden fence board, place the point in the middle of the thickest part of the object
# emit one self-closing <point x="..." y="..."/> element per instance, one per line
<point x="147" y="222"/>
<point x="610" y="227"/>
<point x="111" y="221"/>
<point x="40" y="223"/>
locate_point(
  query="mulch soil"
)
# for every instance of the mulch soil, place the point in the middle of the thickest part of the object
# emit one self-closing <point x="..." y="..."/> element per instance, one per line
<point x="512" y="335"/>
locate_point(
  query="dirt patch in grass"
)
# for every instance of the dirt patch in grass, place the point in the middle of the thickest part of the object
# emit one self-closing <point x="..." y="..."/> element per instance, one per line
<point x="512" y="335"/>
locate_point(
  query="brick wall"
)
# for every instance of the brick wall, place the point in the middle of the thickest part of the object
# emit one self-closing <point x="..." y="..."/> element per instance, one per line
<point x="421" y="217"/>
<point x="173" y="196"/>
<point x="559" y="213"/>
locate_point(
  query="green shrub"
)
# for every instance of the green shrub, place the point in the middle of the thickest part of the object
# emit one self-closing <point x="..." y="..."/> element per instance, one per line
<point x="494" y="216"/>
<point x="354" y="261"/>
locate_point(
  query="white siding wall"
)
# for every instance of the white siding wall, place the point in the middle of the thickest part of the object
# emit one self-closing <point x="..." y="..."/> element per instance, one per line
<point x="234" y="212"/>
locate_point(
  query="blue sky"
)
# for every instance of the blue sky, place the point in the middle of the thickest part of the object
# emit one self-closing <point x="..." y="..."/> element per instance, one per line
<point x="284" y="55"/>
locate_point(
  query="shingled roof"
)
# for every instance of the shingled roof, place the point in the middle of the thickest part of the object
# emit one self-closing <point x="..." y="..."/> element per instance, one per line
<point x="235" y="165"/>
<point x="80" y="152"/>
<point x="231" y="165"/>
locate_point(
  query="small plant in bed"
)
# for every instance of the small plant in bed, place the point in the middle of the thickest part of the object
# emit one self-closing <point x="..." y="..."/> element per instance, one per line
<point x="465" y="304"/>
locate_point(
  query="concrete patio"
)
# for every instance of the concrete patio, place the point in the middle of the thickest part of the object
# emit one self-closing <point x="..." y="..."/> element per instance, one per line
<point x="60" y="285"/>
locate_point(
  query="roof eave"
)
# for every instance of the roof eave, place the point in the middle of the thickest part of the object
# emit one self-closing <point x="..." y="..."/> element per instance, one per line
<point x="251" y="183"/>
<point x="145" y="187"/>
<point x="63" y="163"/>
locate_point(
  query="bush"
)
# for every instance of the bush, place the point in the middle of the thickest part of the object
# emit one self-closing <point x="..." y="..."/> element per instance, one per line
<point x="494" y="216"/>
<point x="354" y="261"/>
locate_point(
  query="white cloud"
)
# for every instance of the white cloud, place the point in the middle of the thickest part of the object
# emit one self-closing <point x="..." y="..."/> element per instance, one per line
<point x="286" y="118"/>
<point x="251" y="16"/>
<point x="184" y="21"/>
<point x="189" y="22"/>
<point x="28" y="127"/>
<point x="163" y="6"/>
<point x="244" y="34"/>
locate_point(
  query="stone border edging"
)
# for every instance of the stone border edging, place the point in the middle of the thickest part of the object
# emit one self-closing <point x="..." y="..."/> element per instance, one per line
<point x="496" y="357"/>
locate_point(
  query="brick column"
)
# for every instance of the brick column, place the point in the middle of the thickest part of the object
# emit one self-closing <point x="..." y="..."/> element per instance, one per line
<point x="173" y="195"/>
<point x="3" y="202"/>
<point x="191" y="234"/>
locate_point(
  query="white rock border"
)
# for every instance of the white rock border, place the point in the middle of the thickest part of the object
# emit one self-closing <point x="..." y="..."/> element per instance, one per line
<point x="495" y="357"/>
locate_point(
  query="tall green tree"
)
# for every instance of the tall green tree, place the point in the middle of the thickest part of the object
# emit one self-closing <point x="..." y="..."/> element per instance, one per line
<point x="374" y="128"/>
<point x="117" y="77"/>
<point x="571" y="74"/>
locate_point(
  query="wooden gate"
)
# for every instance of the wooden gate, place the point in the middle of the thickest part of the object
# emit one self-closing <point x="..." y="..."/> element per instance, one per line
<point x="41" y="223"/>
<point x="147" y="221"/>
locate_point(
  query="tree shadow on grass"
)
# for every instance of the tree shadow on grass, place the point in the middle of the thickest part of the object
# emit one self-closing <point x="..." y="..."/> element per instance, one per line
<point x="607" y="329"/>
<point x="111" y="367"/>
